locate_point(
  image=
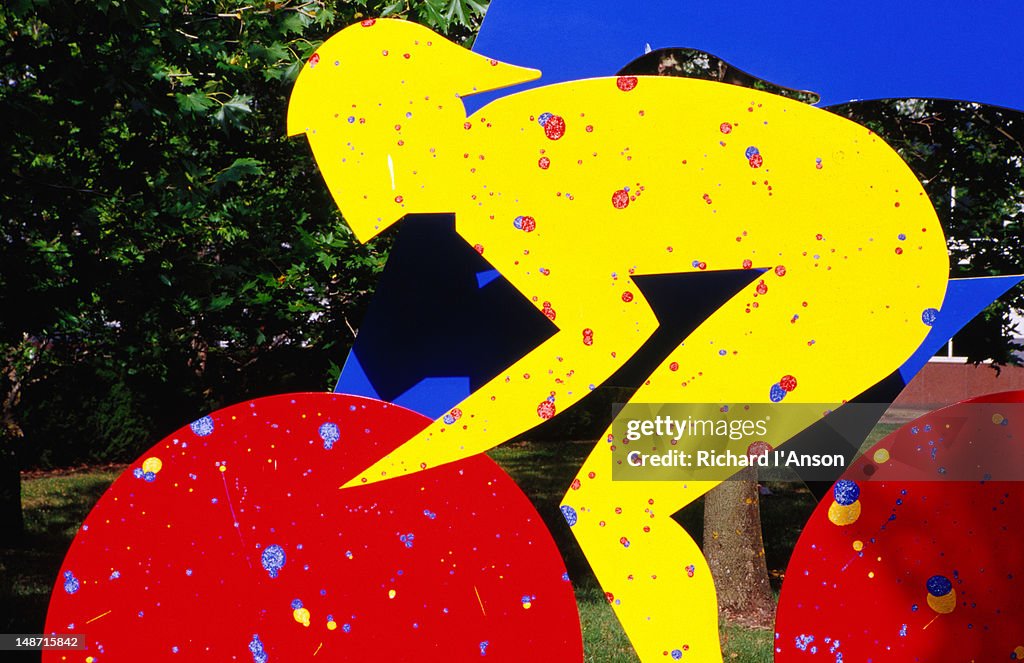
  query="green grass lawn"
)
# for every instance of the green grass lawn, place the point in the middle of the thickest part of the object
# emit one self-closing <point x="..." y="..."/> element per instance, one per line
<point x="56" y="504"/>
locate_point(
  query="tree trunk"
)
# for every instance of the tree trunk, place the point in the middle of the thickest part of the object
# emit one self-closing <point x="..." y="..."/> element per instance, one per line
<point x="735" y="551"/>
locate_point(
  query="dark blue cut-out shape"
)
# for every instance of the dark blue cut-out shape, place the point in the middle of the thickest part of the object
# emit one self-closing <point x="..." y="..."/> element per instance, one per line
<point x="873" y="49"/>
<point x="680" y="302"/>
<point x="441" y="324"/>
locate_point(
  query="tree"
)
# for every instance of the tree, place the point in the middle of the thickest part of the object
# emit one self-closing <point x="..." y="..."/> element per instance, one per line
<point x="164" y="249"/>
<point x="970" y="160"/>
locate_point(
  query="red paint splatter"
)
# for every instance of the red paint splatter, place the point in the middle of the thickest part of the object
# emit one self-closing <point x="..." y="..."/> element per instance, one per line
<point x="479" y="248"/>
<point x="554" y="128"/>
<point x="780" y="270"/>
<point x="725" y="128"/>
<point x="747" y="264"/>
<point x="368" y="22"/>
<point x="788" y="383"/>
<point x="620" y="199"/>
<point x="315" y="58"/>
<point x="546" y="410"/>
<point x="627" y="296"/>
<point x="626" y="83"/>
<point x="756" y="160"/>
<point x="762" y="288"/>
<point x="544" y="163"/>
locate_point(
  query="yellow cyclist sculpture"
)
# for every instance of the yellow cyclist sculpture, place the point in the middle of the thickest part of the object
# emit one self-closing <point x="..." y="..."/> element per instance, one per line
<point x="570" y="191"/>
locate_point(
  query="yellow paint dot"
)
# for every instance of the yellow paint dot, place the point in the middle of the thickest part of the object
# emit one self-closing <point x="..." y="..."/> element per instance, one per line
<point x="332" y="625"/>
<point x="943" y="604"/>
<point x="89" y="659"/>
<point x="391" y="593"/>
<point x="1019" y="651"/>
<point x="858" y="545"/>
<point x="301" y="615"/>
<point x="881" y="456"/>
<point x="997" y="419"/>
<point x="844" y="515"/>
<point x="152" y="464"/>
<point x="526" y="605"/>
<point x="223" y="468"/>
<point x="871" y="574"/>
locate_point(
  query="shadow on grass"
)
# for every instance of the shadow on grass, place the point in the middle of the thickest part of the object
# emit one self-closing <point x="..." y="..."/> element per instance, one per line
<point x="55" y="506"/>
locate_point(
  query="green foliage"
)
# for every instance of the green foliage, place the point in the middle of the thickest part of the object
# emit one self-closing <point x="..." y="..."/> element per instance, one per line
<point x="970" y="159"/>
<point x="156" y="225"/>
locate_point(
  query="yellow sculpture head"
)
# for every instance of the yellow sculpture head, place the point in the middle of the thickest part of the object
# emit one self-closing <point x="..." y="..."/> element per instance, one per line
<point x="380" y="103"/>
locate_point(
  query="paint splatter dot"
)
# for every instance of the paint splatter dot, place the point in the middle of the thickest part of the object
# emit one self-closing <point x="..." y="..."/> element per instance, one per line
<point x="544" y="163"/>
<point x="620" y="199"/>
<point x="554" y="126"/>
<point x="71" y="584"/>
<point x="525" y="223"/>
<point x="273" y="559"/>
<point x="627" y="296"/>
<point x="626" y="83"/>
<point x="725" y="128"/>
<point x="929" y="316"/>
<point x="569" y="514"/>
<point x="939" y="585"/>
<point x="259" y="655"/>
<point x="546" y="409"/>
<point x="846" y="492"/>
<point x="329" y="433"/>
<point x="202" y="427"/>
<point x="788" y="383"/>
<point x="844" y="515"/>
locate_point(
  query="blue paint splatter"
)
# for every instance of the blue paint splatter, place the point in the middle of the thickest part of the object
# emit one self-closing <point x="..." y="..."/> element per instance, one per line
<point x="330" y="434"/>
<point x="846" y="492"/>
<point x="273" y="559"/>
<point x="71" y="584"/>
<point x="939" y="586"/>
<point x="256" y="648"/>
<point x="202" y="427"/>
